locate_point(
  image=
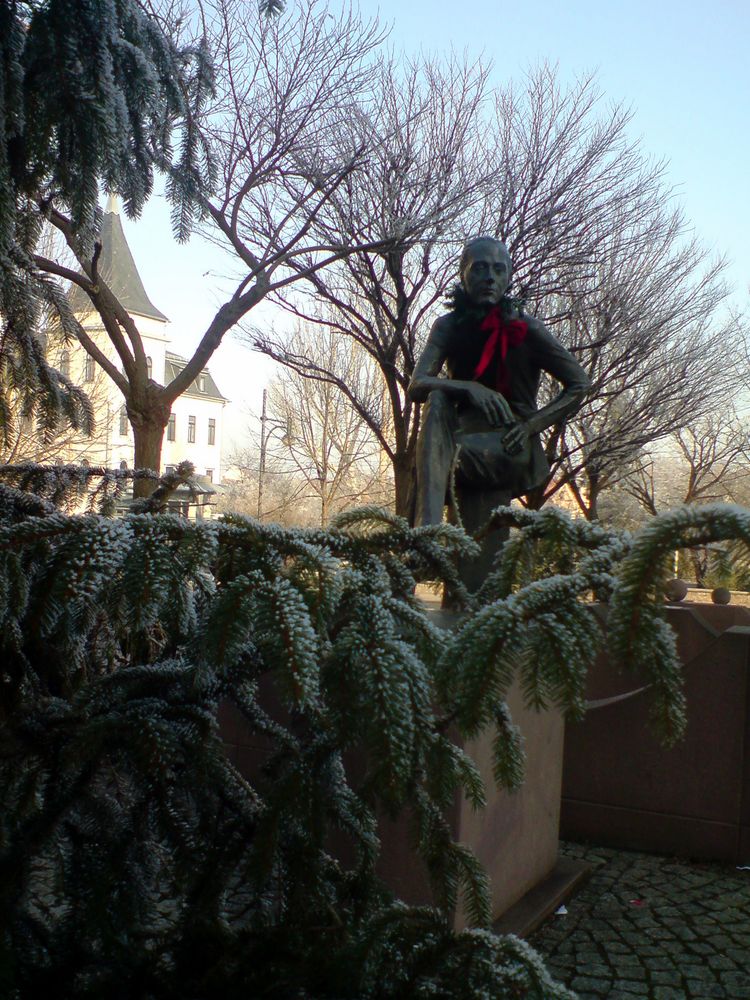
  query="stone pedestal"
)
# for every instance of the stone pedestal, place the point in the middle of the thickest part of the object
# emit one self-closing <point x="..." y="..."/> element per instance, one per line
<point x="515" y="837"/>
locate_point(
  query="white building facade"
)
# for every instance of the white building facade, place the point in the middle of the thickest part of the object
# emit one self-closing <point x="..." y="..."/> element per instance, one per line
<point x="194" y="432"/>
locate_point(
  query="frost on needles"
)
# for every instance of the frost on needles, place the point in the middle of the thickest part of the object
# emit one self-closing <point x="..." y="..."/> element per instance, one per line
<point x="136" y="860"/>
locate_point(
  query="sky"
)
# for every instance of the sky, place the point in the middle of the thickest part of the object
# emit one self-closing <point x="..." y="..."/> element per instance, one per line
<point x="683" y="69"/>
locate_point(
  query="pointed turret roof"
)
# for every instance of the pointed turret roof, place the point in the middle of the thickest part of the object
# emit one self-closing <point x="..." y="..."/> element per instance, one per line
<point x="117" y="267"/>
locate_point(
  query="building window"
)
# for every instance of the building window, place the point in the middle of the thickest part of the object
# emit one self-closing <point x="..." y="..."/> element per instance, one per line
<point x="149" y="367"/>
<point x="88" y="371"/>
<point x="123" y="466"/>
<point x="123" y="421"/>
<point x="210" y="475"/>
<point x="211" y="430"/>
<point x="172" y="428"/>
<point x="202" y="383"/>
<point x="191" y="430"/>
<point x="65" y="364"/>
<point x="170" y="469"/>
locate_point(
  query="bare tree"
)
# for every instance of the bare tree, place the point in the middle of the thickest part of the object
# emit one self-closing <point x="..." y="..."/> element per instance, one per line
<point x="327" y="443"/>
<point x="707" y="460"/>
<point x="283" y="496"/>
<point x="316" y="454"/>
<point x="426" y="177"/>
<point x="710" y="462"/>
<point x="566" y="176"/>
<point x="659" y="347"/>
<point x="281" y="135"/>
<point x="544" y="168"/>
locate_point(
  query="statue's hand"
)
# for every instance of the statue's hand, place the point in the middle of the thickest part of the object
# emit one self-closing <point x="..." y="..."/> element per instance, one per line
<point x="490" y="403"/>
<point x="516" y="438"/>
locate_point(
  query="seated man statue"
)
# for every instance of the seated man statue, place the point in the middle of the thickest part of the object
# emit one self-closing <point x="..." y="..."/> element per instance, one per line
<point x="481" y="423"/>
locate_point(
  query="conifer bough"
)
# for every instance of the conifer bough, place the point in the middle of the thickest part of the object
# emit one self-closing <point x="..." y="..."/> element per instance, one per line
<point x="133" y="855"/>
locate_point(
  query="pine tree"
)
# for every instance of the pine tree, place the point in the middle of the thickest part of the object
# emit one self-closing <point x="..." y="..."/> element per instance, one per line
<point x="134" y="858"/>
<point x="91" y="94"/>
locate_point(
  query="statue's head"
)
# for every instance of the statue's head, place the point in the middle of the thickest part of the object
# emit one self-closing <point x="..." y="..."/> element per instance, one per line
<point x="485" y="269"/>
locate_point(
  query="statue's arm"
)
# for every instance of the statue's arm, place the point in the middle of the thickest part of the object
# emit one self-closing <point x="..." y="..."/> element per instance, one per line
<point x="430" y="362"/>
<point x="425" y="379"/>
<point x="552" y="357"/>
<point x="560" y="363"/>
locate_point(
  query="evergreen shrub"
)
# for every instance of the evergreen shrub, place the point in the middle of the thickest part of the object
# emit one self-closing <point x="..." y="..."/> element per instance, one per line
<point x="135" y="861"/>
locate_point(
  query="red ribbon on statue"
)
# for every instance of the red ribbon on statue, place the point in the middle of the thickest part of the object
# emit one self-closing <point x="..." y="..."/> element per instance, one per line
<point x="502" y="334"/>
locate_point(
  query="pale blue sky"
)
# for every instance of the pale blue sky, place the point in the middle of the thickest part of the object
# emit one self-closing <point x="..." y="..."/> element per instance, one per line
<point x="684" y="68"/>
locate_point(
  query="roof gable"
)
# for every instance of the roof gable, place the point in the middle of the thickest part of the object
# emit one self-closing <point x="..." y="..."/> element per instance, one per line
<point x="174" y="364"/>
<point x="117" y="268"/>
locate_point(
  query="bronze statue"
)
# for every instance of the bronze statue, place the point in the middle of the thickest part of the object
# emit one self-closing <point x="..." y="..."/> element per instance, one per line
<point x="482" y="421"/>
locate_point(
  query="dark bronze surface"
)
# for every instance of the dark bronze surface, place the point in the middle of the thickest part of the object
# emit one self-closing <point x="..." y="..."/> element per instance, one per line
<point x="488" y="441"/>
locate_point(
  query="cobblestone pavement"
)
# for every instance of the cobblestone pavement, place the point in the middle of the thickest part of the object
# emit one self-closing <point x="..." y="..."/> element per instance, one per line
<point x="654" y="927"/>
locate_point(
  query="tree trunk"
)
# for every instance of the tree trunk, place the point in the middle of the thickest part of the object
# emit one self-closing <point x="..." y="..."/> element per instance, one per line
<point x="148" y="435"/>
<point x="404" y="481"/>
<point x="699" y="559"/>
<point x="593" y="490"/>
<point x="324" y="500"/>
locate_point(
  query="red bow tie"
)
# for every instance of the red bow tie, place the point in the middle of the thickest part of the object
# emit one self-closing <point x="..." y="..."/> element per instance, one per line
<point x="505" y="333"/>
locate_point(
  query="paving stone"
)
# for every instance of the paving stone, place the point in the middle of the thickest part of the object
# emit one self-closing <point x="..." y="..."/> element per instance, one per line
<point x="688" y="958"/>
<point x="691" y="941"/>
<point x="671" y="978"/>
<point x="618" y="946"/>
<point x="701" y="948"/>
<point x="685" y="933"/>
<point x="650" y="951"/>
<point x="597" y="970"/>
<point x="712" y="991"/>
<point x="721" y="945"/>
<point x="676" y="951"/>
<point x="696" y="984"/>
<point x="737" y="991"/>
<point x="565" y="947"/>
<point x="598" y="987"/>
<point x="629" y="957"/>
<point x="662" y="934"/>
<point x="587" y="949"/>
<point x="721" y="962"/>
<point x="659" y="963"/>
<point x="736" y="978"/>
<point x="630" y="972"/>
<point x="560" y="963"/>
